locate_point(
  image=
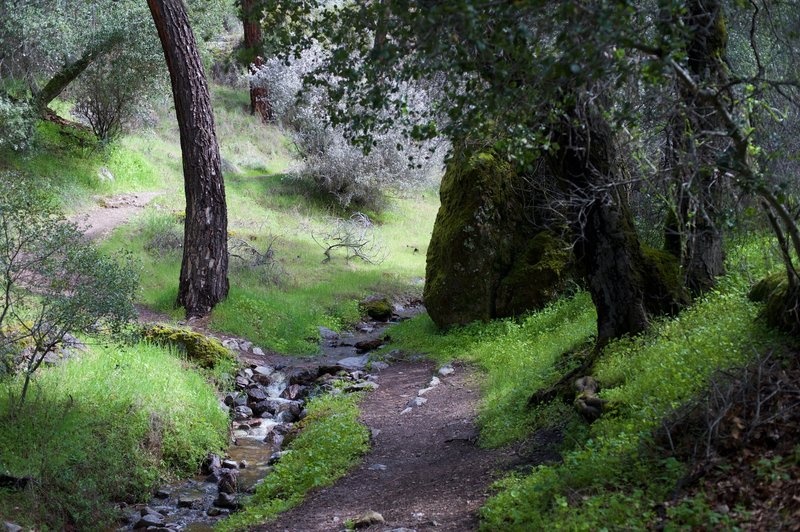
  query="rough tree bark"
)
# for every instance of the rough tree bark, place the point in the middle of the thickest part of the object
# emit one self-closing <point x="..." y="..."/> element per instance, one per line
<point x="253" y="37"/>
<point x="692" y="232"/>
<point x="204" y="270"/>
<point x="607" y="246"/>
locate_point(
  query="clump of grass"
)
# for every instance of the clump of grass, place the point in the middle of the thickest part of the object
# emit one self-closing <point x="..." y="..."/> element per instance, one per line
<point x="330" y="443"/>
<point x="518" y="357"/>
<point x="102" y="429"/>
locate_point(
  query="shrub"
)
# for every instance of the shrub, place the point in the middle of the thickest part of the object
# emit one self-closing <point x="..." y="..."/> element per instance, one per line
<point x="54" y="281"/>
<point x="335" y="166"/>
<point x="16" y="124"/>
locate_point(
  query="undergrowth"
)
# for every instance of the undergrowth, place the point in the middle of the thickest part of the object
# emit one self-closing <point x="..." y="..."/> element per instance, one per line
<point x="613" y="476"/>
<point x="329" y="444"/>
<point x="101" y="429"/>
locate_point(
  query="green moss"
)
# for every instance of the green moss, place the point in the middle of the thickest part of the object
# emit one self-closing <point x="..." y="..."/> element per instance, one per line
<point x="202" y="350"/>
<point x="767" y="286"/>
<point x="478" y="235"/>
<point x="536" y="277"/>
<point x="378" y="309"/>
<point x="781" y="309"/>
<point x="661" y="275"/>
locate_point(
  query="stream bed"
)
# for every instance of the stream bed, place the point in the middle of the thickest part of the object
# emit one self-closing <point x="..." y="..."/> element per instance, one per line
<point x="269" y="399"/>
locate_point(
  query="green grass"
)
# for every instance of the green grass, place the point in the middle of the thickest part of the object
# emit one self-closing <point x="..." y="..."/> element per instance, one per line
<point x="330" y="443"/>
<point x="616" y="477"/>
<point x="281" y="308"/>
<point x="102" y="429"/>
<point x="612" y="476"/>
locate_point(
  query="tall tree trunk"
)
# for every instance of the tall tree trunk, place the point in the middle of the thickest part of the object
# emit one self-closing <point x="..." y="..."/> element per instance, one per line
<point x="607" y="246"/>
<point x="204" y="270"/>
<point x="253" y="41"/>
<point x="699" y="182"/>
<point x="70" y="73"/>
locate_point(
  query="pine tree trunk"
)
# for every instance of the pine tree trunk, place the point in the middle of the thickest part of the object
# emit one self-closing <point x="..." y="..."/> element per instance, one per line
<point x="251" y="23"/>
<point x="204" y="270"/>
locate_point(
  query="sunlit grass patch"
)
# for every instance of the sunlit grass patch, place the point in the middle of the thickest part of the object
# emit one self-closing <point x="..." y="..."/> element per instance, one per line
<point x="104" y="428"/>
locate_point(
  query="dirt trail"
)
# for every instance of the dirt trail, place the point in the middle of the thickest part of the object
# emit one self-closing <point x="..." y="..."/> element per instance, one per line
<point x="424" y="471"/>
<point x="109" y="213"/>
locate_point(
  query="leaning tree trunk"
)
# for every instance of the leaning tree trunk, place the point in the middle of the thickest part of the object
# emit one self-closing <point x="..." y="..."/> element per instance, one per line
<point x="70" y="73"/>
<point x="625" y="289"/>
<point x="204" y="270"/>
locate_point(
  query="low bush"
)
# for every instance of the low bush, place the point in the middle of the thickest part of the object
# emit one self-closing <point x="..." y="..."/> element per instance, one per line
<point x="329" y="444"/>
<point x="330" y="161"/>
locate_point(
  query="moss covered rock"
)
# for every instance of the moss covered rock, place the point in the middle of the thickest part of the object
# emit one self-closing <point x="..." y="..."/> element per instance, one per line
<point x="536" y="277"/>
<point x="200" y="349"/>
<point x="377" y="308"/>
<point x="485" y="259"/>
<point x="782" y="300"/>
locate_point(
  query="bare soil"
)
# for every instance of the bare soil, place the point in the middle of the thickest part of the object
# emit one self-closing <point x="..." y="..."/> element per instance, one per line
<point x="112" y="212"/>
<point x="425" y="470"/>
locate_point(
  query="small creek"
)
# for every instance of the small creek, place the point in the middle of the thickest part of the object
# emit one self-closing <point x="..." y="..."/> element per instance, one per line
<point x="268" y="401"/>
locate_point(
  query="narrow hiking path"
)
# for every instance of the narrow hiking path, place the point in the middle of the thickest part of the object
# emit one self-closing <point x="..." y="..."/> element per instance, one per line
<point x="424" y="470"/>
<point x="108" y="213"/>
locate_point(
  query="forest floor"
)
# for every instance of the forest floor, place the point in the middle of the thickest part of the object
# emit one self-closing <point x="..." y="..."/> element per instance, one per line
<point x="424" y="471"/>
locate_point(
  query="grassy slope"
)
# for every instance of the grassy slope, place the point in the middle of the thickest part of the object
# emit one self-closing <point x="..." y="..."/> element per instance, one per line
<point x="102" y="429"/>
<point x="279" y="308"/>
<point x="611" y="476"/>
<point x="262" y="203"/>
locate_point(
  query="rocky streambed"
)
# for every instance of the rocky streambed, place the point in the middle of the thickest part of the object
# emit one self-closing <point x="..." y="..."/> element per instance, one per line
<point x="269" y="399"/>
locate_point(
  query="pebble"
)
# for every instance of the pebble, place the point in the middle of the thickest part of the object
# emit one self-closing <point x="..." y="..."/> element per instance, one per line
<point x="8" y="526"/>
<point x="446" y="370"/>
<point x="379" y="366"/>
<point x="417" y="401"/>
<point x="148" y="521"/>
<point x="230" y="464"/>
<point x="190" y="501"/>
<point x="377" y="467"/>
<point x="258" y="351"/>
<point x="406" y="410"/>
<point x="435" y="381"/>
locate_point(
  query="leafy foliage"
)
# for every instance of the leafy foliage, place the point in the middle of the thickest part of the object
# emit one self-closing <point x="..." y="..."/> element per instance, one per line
<point x="53" y="281"/>
<point x="351" y="176"/>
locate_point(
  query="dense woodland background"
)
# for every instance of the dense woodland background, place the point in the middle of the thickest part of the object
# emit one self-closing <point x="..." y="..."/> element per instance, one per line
<point x="596" y="202"/>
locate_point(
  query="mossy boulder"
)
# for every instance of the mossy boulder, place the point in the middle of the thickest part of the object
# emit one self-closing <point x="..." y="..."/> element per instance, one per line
<point x="484" y="260"/>
<point x="377" y="308"/>
<point x="782" y="309"/>
<point x="200" y="349"/>
<point x="536" y="277"/>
